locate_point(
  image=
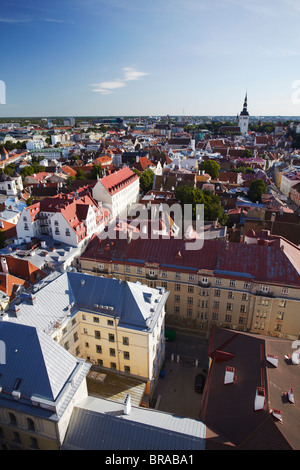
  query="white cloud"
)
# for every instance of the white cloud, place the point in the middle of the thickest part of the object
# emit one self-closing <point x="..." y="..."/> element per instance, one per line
<point x="15" y="20"/>
<point x="130" y="73"/>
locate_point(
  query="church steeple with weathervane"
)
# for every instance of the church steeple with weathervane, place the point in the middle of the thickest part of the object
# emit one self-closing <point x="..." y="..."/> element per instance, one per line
<point x="243" y="119"/>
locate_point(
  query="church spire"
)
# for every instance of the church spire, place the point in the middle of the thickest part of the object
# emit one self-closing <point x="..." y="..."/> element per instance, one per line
<point x="245" y="111"/>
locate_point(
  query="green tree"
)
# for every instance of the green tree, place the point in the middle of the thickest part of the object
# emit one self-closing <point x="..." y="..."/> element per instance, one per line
<point x="97" y="170"/>
<point x="29" y="201"/>
<point x="211" y="167"/>
<point x="211" y="202"/>
<point x="247" y="154"/>
<point x="256" y="189"/>
<point x="80" y="174"/>
<point x="146" y="180"/>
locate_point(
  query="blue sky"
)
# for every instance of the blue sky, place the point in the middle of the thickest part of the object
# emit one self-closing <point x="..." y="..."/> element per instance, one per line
<point x="135" y="57"/>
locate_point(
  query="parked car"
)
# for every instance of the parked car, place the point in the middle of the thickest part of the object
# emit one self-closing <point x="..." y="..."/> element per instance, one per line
<point x="199" y="383"/>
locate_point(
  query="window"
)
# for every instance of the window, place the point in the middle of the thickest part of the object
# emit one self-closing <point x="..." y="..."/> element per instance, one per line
<point x="83" y="317"/>
<point x="75" y="336"/>
<point x="176" y="309"/>
<point x="205" y="280"/>
<point x="64" y="331"/>
<point x="242" y="320"/>
<point x="139" y="270"/>
<point x="66" y="345"/>
<point x="113" y="365"/>
<point x="246" y="285"/>
<point x="164" y="285"/>
<point x="191" y="277"/>
<point x="73" y="321"/>
<point x="164" y="274"/>
<point x="191" y="289"/>
<point x="98" y="349"/>
<point x="126" y="355"/>
<point x="34" y="443"/>
<point x="116" y="267"/>
<point x="280" y="315"/>
<point x="218" y="281"/>
<point x="125" y="340"/>
<point x="232" y="283"/>
<point x="177" y="287"/>
<point x="245" y="296"/>
<point x="265" y="288"/>
<point x="190" y="300"/>
<point x="228" y="318"/>
<point x="217" y="293"/>
<point x="176" y="298"/>
<point x="243" y="309"/>
<point x="112" y="352"/>
<point x="12" y="419"/>
<point x="77" y="351"/>
<point x="285" y="290"/>
<point x="110" y="322"/>
<point x="215" y="316"/>
<point x="216" y="304"/>
<point x="30" y="424"/>
<point x="111" y="338"/>
<point x="96" y="319"/>
<point x="230" y="295"/>
<point x="86" y="345"/>
<point x="97" y="334"/>
<point x="127" y="269"/>
<point x="177" y="276"/>
<point x="189" y="312"/>
<point x="16" y="437"/>
<point x="282" y="303"/>
<point x="229" y="306"/>
<point x="127" y="369"/>
<point x="68" y="234"/>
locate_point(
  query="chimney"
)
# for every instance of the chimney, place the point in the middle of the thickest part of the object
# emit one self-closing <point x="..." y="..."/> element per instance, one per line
<point x="4" y="265"/>
<point x="229" y="375"/>
<point x="277" y="414"/>
<point x="127" y="404"/>
<point x="272" y="359"/>
<point x="260" y="398"/>
<point x="291" y="396"/>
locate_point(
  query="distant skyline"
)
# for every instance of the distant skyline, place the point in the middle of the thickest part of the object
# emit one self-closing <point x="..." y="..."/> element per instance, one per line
<point x="133" y="57"/>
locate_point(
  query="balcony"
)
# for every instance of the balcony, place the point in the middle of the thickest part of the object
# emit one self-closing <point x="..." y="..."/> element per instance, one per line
<point x="204" y="284"/>
<point x="264" y="294"/>
<point x="151" y="276"/>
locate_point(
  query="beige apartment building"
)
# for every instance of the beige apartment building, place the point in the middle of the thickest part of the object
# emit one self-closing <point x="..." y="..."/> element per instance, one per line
<point x="253" y="288"/>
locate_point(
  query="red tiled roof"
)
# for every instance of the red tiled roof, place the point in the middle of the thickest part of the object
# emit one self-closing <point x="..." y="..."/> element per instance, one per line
<point x="119" y="179"/>
<point x="262" y="263"/>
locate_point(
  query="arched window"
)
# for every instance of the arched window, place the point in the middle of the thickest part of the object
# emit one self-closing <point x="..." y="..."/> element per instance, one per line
<point x="30" y="424"/>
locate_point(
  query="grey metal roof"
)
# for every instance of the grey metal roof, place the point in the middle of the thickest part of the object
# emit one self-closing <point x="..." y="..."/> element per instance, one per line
<point x="99" y="424"/>
<point x="41" y="364"/>
<point x="137" y="305"/>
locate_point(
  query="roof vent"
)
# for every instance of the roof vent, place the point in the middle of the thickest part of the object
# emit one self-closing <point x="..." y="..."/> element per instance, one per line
<point x="127" y="404"/>
<point x="260" y="397"/>
<point x="82" y="282"/>
<point x="272" y="359"/>
<point x="291" y="396"/>
<point x="16" y="394"/>
<point x="229" y="375"/>
<point x="277" y="415"/>
<point x="295" y="358"/>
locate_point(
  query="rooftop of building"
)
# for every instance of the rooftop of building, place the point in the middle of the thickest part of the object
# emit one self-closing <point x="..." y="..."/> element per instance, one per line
<point x="256" y="361"/>
<point x="270" y="261"/>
